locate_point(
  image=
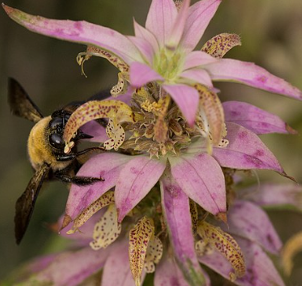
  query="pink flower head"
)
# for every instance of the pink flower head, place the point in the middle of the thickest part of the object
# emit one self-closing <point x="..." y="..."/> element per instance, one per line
<point x="162" y="52"/>
<point x="180" y="182"/>
<point x="168" y="152"/>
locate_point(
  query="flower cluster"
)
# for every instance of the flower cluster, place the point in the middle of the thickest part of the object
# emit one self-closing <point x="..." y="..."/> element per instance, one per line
<point x="171" y="149"/>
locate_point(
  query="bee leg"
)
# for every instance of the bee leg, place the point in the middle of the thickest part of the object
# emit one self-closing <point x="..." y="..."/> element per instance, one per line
<point x="91" y="149"/>
<point x="65" y="157"/>
<point x="77" y="180"/>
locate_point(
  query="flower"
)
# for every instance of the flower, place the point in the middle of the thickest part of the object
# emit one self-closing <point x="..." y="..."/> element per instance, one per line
<point x="165" y="180"/>
<point x="182" y="151"/>
<point x="163" y="51"/>
<point x="180" y="170"/>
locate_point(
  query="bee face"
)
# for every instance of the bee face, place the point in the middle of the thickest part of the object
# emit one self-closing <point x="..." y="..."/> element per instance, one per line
<point x="56" y="129"/>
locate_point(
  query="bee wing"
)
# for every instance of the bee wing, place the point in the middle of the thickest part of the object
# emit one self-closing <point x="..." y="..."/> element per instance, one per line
<point x="26" y="203"/>
<point x="20" y="103"/>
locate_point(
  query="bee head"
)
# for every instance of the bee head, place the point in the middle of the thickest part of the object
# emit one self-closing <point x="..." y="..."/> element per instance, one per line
<point x="56" y="129"/>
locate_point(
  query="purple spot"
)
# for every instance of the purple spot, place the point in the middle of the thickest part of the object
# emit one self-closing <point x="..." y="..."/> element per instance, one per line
<point x="242" y="135"/>
<point x="134" y="188"/>
<point x="78" y="26"/>
<point x="264" y="124"/>
<point x="249" y="277"/>
<point x="86" y="198"/>
<point x="214" y="196"/>
<point x="127" y="206"/>
<point x="235" y="113"/>
<point x="201" y="155"/>
<point x="173" y="190"/>
<point x="111" y="32"/>
<point x="262" y="79"/>
<point x="253" y="161"/>
<point x="134" y="170"/>
<point x="59" y="31"/>
<point x="270" y="239"/>
<point x="238" y="206"/>
<point x="74" y="34"/>
<point x="174" y="281"/>
<point x="259" y="153"/>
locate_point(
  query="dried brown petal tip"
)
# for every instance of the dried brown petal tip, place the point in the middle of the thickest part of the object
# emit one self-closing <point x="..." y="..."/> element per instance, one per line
<point x="290" y="129"/>
<point x="66" y="221"/>
<point x="223" y="217"/>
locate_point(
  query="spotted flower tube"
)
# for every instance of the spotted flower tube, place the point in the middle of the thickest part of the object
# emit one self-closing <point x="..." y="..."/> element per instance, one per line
<point x="171" y="149"/>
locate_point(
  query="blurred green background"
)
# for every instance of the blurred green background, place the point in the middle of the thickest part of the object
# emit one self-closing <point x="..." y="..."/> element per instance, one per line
<point x="271" y="33"/>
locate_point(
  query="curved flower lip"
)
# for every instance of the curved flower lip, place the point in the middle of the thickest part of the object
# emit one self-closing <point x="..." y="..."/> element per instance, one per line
<point x="96" y="130"/>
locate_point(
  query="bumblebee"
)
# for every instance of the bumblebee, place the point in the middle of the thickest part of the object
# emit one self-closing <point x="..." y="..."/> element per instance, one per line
<point x="45" y="151"/>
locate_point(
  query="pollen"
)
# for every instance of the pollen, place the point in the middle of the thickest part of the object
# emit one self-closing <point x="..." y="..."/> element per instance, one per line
<point x="68" y="147"/>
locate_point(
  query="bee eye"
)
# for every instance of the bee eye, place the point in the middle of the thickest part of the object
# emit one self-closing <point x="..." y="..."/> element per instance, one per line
<point x="56" y="141"/>
<point x="65" y="118"/>
<point x="56" y="123"/>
